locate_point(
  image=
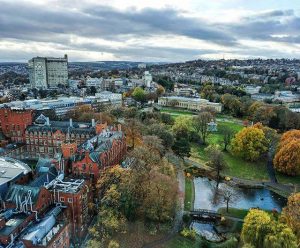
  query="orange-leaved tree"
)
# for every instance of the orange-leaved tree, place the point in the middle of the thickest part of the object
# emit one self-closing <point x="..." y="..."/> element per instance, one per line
<point x="287" y="158"/>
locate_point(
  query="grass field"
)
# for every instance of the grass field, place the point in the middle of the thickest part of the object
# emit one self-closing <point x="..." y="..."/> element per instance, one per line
<point x="189" y="194"/>
<point x="237" y="167"/>
<point x="181" y="242"/>
<point x="234" y="212"/>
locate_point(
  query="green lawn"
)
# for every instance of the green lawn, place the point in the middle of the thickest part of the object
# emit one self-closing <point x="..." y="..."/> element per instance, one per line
<point x="189" y="194"/>
<point x="176" y="112"/>
<point x="182" y="242"/>
<point x="236" y="167"/>
<point x="234" y="212"/>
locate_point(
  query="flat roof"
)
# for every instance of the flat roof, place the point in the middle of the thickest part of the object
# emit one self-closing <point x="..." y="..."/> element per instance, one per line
<point x="13" y="223"/>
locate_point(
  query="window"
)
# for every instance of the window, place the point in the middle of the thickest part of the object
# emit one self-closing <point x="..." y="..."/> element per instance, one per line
<point x="62" y="199"/>
<point x="70" y="200"/>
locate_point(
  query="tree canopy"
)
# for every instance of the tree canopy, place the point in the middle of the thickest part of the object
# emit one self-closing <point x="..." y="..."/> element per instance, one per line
<point x="250" y="143"/>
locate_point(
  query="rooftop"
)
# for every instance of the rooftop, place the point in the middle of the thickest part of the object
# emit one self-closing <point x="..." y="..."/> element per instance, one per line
<point x="11" y="168"/>
<point x="66" y="185"/>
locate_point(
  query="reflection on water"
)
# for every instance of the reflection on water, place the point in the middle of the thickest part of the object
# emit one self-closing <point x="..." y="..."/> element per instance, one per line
<point x="205" y="197"/>
<point x="206" y="230"/>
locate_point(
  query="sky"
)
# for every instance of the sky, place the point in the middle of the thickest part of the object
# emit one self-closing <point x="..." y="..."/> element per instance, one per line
<point x="149" y="30"/>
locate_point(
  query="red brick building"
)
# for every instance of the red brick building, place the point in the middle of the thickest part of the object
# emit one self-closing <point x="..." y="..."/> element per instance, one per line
<point x="106" y="149"/>
<point x="13" y="123"/>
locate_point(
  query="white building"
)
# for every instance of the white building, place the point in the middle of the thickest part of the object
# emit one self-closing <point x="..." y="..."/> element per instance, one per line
<point x="46" y="72"/>
<point x="119" y="82"/>
<point x="142" y="66"/>
<point x="61" y="105"/>
<point x="113" y="98"/>
<point x="73" y="83"/>
<point x="95" y="82"/>
<point x="252" y="89"/>
<point x="196" y="104"/>
<point x="286" y="96"/>
<point x="147" y="79"/>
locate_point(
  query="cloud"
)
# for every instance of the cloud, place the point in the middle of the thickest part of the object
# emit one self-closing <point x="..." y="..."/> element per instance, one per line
<point x="98" y="30"/>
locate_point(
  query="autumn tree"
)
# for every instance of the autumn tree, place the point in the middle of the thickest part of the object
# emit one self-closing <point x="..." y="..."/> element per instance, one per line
<point x="262" y="231"/>
<point x="291" y="214"/>
<point x="199" y="123"/>
<point x="139" y="94"/>
<point x="280" y="236"/>
<point x="249" y="143"/>
<point x="216" y="160"/>
<point x="161" y="131"/>
<point x="133" y="132"/>
<point x="287" y="158"/>
<point x="159" y="203"/>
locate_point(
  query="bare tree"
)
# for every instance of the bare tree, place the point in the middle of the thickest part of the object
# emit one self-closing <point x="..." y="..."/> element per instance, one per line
<point x="228" y="195"/>
<point x="200" y="124"/>
<point x="227" y="134"/>
<point x="216" y="160"/>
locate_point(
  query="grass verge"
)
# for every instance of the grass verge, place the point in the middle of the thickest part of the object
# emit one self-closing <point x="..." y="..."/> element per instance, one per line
<point x="189" y="194"/>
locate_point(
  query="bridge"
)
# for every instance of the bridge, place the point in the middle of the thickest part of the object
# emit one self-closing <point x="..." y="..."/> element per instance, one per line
<point x="205" y="214"/>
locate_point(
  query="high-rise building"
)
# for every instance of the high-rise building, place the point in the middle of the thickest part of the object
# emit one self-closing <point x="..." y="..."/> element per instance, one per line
<point x="46" y="72"/>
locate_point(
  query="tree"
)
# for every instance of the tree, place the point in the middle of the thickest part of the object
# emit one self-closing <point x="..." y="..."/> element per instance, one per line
<point x="216" y="160"/>
<point x="228" y="195"/>
<point x="291" y="214"/>
<point x="257" y="224"/>
<point x="287" y="158"/>
<point x="159" y="203"/>
<point x="227" y="134"/>
<point x="182" y="147"/>
<point x="161" y="131"/>
<point x="199" y="124"/>
<point x="261" y="231"/>
<point x="132" y="132"/>
<point x="160" y="90"/>
<point x="154" y="144"/>
<point x="249" y="143"/>
<point x="280" y="236"/>
<point x="139" y="94"/>
<point x="93" y="90"/>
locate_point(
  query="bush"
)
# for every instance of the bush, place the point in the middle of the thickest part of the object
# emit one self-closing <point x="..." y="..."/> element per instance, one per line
<point x="188" y="233"/>
<point x="230" y="243"/>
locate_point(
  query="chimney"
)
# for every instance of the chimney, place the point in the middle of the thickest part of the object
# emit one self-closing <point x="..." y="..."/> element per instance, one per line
<point x="47" y="121"/>
<point x="71" y="122"/>
<point x="93" y="122"/>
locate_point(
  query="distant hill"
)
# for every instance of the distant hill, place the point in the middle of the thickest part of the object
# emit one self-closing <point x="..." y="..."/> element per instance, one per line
<point x="21" y="68"/>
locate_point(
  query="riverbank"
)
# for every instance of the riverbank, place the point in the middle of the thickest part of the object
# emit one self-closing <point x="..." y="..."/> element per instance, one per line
<point x="203" y="170"/>
<point x="189" y="194"/>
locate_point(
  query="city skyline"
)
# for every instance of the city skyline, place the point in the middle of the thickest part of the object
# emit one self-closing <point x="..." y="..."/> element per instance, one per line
<point x="165" y="31"/>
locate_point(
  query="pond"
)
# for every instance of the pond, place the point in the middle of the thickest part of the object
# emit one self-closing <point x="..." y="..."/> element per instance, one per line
<point x="205" y="190"/>
<point x="206" y="198"/>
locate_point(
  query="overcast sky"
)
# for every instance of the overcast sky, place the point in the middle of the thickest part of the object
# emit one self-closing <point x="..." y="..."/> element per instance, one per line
<point x="149" y="30"/>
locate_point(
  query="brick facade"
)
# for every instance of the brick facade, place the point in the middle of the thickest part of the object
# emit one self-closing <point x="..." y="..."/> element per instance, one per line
<point x="13" y="123"/>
